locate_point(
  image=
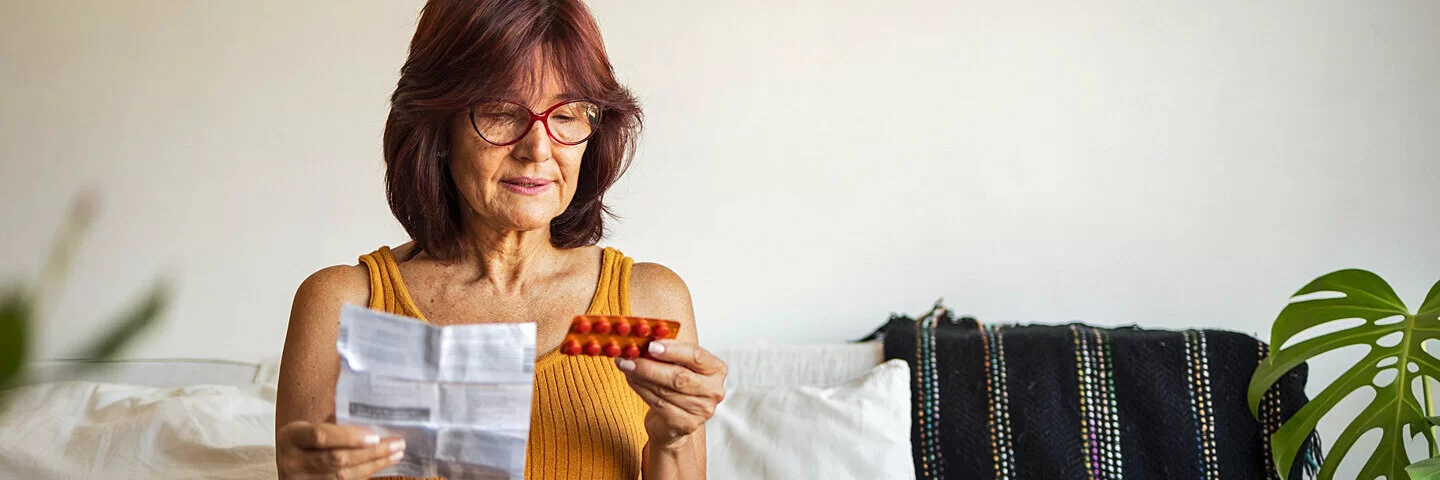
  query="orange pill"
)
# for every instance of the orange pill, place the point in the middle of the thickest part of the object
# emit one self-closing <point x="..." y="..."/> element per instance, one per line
<point x="612" y="350"/>
<point x="622" y="328"/>
<point x="582" y="327"/>
<point x="642" y="330"/>
<point x="571" y="348"/>
<point x="661" y="331"/>
<point x="592" y="348"/>
<point x="631" y="352"/>
<point x="602" y="327"/>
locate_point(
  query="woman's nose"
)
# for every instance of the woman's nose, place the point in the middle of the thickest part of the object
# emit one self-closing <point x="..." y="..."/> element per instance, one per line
<point x="535" y="146"/>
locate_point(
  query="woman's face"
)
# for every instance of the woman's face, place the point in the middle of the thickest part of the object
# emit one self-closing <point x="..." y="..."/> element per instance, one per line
<point x="520" y="187"/>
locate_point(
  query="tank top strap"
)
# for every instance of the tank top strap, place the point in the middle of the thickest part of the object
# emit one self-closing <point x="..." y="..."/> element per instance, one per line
<point x="387" y="290"/>
<point x="612" y="290"/>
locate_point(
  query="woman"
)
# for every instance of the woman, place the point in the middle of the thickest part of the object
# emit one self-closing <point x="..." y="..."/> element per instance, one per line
<point x="506" y="128"/>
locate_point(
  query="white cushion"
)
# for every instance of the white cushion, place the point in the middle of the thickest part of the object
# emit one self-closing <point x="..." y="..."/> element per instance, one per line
<point x="856" y="429"/>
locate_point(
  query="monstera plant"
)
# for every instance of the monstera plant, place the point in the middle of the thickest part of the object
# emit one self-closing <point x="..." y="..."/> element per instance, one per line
<point x="22" y="305"/>
<point x="1397" y="367"/>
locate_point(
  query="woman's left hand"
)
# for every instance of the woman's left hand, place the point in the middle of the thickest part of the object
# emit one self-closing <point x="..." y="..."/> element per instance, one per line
<point x="681" y="382"/>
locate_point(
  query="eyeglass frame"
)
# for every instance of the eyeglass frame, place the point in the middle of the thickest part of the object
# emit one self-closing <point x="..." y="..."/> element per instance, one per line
<point x="544" y="118"/>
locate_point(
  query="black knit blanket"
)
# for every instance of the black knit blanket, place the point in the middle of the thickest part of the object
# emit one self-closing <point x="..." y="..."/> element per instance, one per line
<point x="1079" y="402"/>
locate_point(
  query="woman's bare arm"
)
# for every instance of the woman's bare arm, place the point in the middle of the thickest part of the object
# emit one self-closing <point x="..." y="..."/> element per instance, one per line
<point x="307" y="445"/>
<point x="658" y="292"/>
<point x="310" y="365"/>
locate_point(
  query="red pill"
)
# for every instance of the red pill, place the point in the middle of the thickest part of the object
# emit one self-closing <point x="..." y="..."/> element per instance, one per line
<point x="592" y="348"/>
<point x="631" y="352"/>
<point x="602" y="327"/>
<point x="612" y="350"/>
<point x="642" y="330"/>
<point x="582" y="327"/>
<point x="622" y="328"/>
<point x="571" y="348"/>
<point x="661" y="331"/>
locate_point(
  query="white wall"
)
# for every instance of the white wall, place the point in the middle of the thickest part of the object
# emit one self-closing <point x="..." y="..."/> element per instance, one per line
<point x="808" y="166"/>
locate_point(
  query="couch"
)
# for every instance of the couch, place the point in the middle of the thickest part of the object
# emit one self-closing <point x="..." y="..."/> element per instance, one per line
<point x="807" y="411"/>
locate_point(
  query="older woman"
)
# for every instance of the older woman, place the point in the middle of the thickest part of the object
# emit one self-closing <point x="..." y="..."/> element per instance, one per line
<point x="505" y="131"/>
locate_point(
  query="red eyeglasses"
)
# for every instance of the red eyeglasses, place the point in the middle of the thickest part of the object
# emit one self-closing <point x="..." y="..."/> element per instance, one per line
<point x="502" y="123"/>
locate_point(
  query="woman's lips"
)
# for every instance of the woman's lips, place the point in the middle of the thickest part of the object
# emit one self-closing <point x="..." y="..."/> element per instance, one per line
<point x="526" y="185"/>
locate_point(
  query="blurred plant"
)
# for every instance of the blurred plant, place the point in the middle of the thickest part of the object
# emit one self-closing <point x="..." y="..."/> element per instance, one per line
<point x="22" y="306"/>
<point x="1394" y="371"/>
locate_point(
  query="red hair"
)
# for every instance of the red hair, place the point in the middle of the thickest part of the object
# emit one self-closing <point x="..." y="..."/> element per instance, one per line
<point x="468" y="51"/>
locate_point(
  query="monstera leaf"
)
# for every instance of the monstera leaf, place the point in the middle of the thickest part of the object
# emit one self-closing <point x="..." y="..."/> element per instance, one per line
<point x="1428" y="469"/>
<point x="1390" y="368"/>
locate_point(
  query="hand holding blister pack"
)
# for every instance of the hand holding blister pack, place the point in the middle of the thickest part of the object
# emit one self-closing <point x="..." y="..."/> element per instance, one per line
<point x="459" y="395"/>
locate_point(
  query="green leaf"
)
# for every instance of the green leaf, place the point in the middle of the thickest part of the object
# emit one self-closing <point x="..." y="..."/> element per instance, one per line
<point x="15" y="313"/>
<point x="1428" y="469"/>
<point x="1364" y="296"/>
<point x="130" y="325"/>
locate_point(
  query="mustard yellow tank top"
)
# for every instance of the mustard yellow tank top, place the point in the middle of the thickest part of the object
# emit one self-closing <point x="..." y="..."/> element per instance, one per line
<point x="585" y="421"/>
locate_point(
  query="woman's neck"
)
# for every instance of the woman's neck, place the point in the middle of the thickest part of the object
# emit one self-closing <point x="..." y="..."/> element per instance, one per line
<point x="508" y="259"/>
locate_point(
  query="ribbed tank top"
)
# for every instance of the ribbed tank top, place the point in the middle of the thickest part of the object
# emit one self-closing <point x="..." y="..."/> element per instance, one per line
<point x="585" y="421"/>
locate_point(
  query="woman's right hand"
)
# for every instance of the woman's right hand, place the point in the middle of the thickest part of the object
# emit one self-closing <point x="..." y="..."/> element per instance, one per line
<point x="305" y="450"/>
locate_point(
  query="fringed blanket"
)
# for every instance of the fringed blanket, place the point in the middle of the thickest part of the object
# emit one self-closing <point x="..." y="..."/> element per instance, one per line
<point x="1079" y="402"/>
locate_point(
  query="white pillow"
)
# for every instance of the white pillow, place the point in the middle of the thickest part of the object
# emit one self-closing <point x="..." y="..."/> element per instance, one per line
<point x="857" y="429"/>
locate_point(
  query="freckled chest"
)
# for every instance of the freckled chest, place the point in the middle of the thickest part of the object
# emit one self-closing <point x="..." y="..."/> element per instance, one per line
<point x="550" y="302"/>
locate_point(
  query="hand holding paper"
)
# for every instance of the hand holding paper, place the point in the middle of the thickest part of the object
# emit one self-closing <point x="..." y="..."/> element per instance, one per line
<point x="459" y="395"/>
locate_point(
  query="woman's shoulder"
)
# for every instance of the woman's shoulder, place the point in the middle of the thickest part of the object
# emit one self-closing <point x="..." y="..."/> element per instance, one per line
<point x="346" y="283"/>
<point x="657" y="291"/>
<point x="656" y="277"/>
